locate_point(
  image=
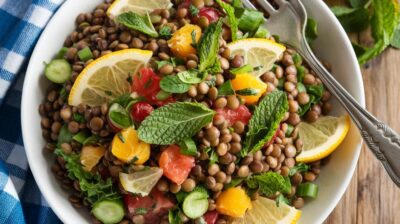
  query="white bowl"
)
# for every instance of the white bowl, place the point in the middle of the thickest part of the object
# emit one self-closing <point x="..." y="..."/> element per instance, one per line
<point x="332" y="45"/>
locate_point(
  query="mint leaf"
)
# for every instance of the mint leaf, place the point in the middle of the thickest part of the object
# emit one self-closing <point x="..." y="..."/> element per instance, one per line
<point x="315" y="92"/>
<point x="174" y="122"/>
<point x="262" y="33"/>
<point x="232" y="20"/>
<point x="301" y="167"/>
<point x="358" y="49"/>
<point x="173" y="84"/>
<point x="247" y="92"/>
<point x="226" y="89"/>
<point x="269" y="183"/>
<point x="265" y="121"/>
<point x="65" y="136"/>
<point x="311" y="30"/>
<point x="281" y="199"/>
<point x="173" y="216"/>
<point x="189" y="77"/>
<point x="188" y="147"/>
<point x="352" y="19"/>
<point x="395" y="41"/>
<point x="137" y="22"/>
<point x="236" y="3"/>
<point x="244" y="69"/>
<point x="193" y="10"/>
<point x="165" y="32"/>
<point x="209" y="45"/>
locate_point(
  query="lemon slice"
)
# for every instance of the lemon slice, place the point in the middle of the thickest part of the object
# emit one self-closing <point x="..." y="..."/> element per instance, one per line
<point x="141" y="182"/>
<point x="138" y="6"/>
<point x="265" y="211"/>
<point x="260" y="53"/>
<point x="106" y="78"/>
<point x="322" y="137"/>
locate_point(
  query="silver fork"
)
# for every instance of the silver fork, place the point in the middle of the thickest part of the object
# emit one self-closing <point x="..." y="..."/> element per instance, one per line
<point x="381" y="139"/>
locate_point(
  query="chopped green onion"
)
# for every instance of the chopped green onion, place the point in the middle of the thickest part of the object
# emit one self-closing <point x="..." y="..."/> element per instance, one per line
<point x="301" y="88"/>
<point x="91" y="140"/>
<point x="244" y="69"/>
<point x="289" y="130"/>
<point x="250" y="20"/>
<point x="81" y="137"/>
<point x="226" y="89"/>
<point x="297" y="59"/>
<point x="188" y="147"/>
<point x="85" y="54"/>
<point x="234" y="182"/>
<point x="119" y="116"/>
<point x="247" y="92"/>
<point x="61" y="53"/>
<point x="301" y="72"/>
<point x="261" y="33"/>
<point x="308" y="190"/>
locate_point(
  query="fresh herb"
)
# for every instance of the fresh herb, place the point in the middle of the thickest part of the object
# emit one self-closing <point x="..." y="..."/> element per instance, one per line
<point x="301" y="72"/>
<point x="211" y="81"/>
<point x="85" y="54"/>
<point x="226" y="89"/>
<point x="352" y="19"/>
<point x="193" y="35"/>
<point x="311" y="30"/>
<point x="190" y="76"/>
<point x="234" y="182"/>
<point x="165" y="32"/>
<point x="78" y="118"/>
<point x="137" y="22"/>
<point x="163" y="95"/>
<point x="172" y="84"/>
<point x="160" y="64"/>
<point x="119" y="116"/>
<point x="188" y="147"/>
<point x="63" y="93"/>
<point x="301" y="168"/>
<point x="61" y="53"/>
<point x="125" y="100"/>
<point x="265" y="121"/>
<point x="180" y="196"/>
<point x="92" y="186"/>
<point x="121" y="137"/>
<point x="81" y="136"/>
<point x="301" y="87"/>
<point x="65" y="136"/>
<point x="91" y="140"/>
<point x="176" y="61"/>
<point x="213" y="158"/>
<point x="173" y="216"/>
<point x="315" y="92"/>
<point x="395" y="41"/>
<point x="209" y="45"/>
<point x="174" y="122"/>
<point x="307" y="190"/>
<point x="250" y="21"/>
<point x="261" y="33"/>
<point x="269" y="183"/>
<point x="281" y="199"/>
<point x="243" y="69"/>
<point x="289" y="130"/>
<point x="193" y="10"/>
<point x="297" y="59"/>
<point x="140" y="211"/>
<point x="236" y="3"/>
<point x="232" y="20"/>
<point x="247" y="92"/>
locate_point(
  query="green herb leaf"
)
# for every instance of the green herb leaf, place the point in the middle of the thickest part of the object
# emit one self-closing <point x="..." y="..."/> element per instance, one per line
<point x="232" y="20"/>
<point x="162" y="95"/>
<point x="188" y="147"/>
<point x="174" y="122"/>
<point x="65" y="136"/>
<point x="236" y="3"/>
<point x="137" y="22"/>
<point x="81" y="136"/>
<point x="301" y="88"/>
<point x="180" y="196"/>
<point x="165" y="32"/>
<point x="250" y="20"/>
<point x="359" y="3"/>
<point x="265" y="121"/>
<point x="301" y="167"/>
<point x="190" y="76"/>
<point x="281" y="199"/>
<point x="311" y="30"/>
<point x="395" y="41"/>
<point x="234" y="182"/>
<point x="209" y="45"/>
<point x="226" y="89"/>
<point x="173" y="216"/>
<point x="315" y="92"/>
<point x="172" y="84"/>
<point x="269" y="183"/>
<point x="119" y="116"/>
<point x="213" y="158"/>
<point x="261" y="33"/>
<point x="247" y="92"/>
<point x="243" y="69"/>
<point x="301" y="72"/>
<point x="193" y="10"/>
<point x="140" y="211"/>
<point x="352" y="19"/>
<point x="91" y="140"/>
<point x="78" y="118"/>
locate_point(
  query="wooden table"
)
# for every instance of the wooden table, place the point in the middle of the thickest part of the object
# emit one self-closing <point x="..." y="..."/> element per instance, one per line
<point x="372" y="198"/>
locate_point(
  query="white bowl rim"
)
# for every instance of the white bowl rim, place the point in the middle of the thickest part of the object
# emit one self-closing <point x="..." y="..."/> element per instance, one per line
<point x="35" y="169"/>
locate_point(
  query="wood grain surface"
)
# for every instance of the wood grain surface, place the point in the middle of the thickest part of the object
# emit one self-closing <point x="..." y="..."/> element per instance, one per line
<point x="372" y="198"/>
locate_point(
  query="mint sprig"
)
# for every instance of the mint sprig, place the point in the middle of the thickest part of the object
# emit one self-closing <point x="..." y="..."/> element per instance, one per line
<point x="137" y="22"/>
<point x="232" y="20"/>
<point x="172" y="84"/>
<point x="208" y="46"/>
<point x="269" y="183"/>
<point x="174" y="123"/>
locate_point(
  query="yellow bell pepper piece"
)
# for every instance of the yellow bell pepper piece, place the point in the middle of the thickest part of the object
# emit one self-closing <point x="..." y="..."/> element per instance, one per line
<point x="126" y="146"/>
<point x="246" y="81"/>
<point x="233" y="202"/>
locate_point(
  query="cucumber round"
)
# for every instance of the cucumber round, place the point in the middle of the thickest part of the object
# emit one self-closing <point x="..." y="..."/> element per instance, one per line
<point x="58" y="71"/>
<point x="195" y="204"/>
<point x="108" y="212"/>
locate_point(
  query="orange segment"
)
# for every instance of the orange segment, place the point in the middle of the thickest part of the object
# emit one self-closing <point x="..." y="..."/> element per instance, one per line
<point x="126" y="146"/>
<point x="181" y="41"/>
<point x="233" y="202"/>
<point x="90" y="156"/>
<point x="245" y="81"/>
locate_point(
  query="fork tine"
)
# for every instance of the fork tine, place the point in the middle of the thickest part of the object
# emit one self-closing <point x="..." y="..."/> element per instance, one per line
<point x="281" y="2"/>
<point x="248" y="4"/>
<point x="267" y="7"/>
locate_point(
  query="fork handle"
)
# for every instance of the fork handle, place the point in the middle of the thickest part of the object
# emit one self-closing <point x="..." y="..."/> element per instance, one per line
<point x="380" y="138"/>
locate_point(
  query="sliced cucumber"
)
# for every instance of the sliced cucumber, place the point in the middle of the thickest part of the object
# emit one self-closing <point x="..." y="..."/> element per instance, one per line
<point x="58" y="71"/>
<point x="195" y="204"/>
<point x="108" y="212"/>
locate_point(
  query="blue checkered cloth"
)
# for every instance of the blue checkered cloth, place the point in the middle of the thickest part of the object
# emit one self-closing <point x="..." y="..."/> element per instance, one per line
<point x="21" y="22"/>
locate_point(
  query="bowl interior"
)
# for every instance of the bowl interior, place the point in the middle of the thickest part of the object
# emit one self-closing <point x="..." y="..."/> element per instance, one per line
<point x="332" y="46"/>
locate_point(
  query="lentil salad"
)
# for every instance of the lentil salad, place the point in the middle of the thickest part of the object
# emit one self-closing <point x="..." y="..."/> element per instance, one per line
<point x="213" y="159"/>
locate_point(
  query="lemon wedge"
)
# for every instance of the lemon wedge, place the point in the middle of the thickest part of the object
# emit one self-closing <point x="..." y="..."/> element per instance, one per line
<point x="141" y="182"/>
<point x="137" y="6"/>
<point x="260" y="53"/>
<point x="106" y="78"/>
<point x="322" y="137"/>
<point x="265" y="211"/>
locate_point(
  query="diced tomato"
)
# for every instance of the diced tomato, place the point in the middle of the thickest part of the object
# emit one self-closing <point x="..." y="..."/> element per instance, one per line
<point x="141" y="110"/>
<point x="156" y="205"/>
<point x="147" y="84"/>
<point x="211" y="217"/>
<point x="242" y="113"/>
<point x="210" y="13"/>
<point x="175" y="165"/>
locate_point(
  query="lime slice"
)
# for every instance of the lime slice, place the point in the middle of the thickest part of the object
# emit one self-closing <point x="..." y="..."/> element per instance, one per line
<point x="106" y="78"/>
<point x="322" y="137"/>
<point x="141" y="182"/>
<point x="260" y="53"/>
<point x="137" y="6"/>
